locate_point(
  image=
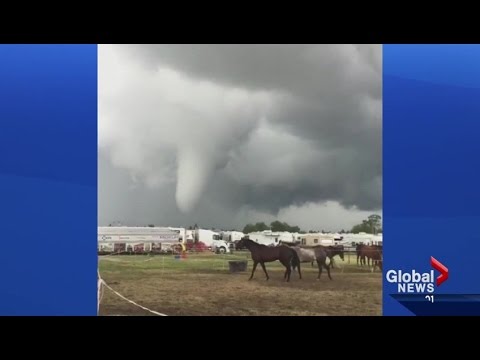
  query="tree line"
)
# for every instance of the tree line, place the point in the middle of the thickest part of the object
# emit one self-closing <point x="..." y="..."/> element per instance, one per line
<point x="371" y="225"/>
<point x="275" y="226"/>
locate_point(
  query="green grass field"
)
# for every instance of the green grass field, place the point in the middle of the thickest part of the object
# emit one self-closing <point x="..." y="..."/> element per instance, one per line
<point x="203" y="285"/>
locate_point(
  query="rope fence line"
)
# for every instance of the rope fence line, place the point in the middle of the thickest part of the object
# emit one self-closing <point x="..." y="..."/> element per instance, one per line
<point x="102" y="284"/>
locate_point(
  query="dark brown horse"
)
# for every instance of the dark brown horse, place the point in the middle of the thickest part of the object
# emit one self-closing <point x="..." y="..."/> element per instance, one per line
<point x="262" y="254"/>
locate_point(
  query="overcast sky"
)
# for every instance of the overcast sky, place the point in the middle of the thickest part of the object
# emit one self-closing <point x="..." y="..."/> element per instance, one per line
<point x="223" y="135"/>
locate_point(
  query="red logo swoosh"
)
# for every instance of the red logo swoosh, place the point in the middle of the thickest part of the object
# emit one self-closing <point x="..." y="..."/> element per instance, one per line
<point x="437" y="265"/>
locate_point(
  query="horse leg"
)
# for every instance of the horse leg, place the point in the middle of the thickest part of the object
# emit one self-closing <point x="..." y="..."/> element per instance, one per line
<point x="328" y="270"/>
<point x="319" y="269"/>
<point x="299" y="271"/>
<point x="312" y="263"/>
<point x="253" y="270"/>
<point x="289" y="271"/>
<point x="264" y="269"/>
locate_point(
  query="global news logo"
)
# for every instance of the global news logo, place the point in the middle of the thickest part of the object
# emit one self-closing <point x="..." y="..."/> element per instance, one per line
<point x="418" y="282"/>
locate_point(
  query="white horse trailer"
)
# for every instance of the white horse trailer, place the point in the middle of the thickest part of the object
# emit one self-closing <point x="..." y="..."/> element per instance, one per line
<point x="269" y="238"/>
<point x="125" y="238"/>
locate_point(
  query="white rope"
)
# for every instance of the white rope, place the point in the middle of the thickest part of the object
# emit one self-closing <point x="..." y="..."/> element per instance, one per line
<point x="100" y="295"/>
<point x="99" y="290"/>
<point x="126" y="258"/>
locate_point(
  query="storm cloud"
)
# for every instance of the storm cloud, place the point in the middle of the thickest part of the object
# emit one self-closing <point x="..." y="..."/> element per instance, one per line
<point x="225" y="134"/>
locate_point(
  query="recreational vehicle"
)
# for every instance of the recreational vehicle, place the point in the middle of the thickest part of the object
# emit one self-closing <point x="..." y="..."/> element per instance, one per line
<point x="312" y="239"/>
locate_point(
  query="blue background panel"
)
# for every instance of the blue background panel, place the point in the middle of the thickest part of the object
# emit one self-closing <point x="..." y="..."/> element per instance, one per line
<point x="431" y="164"/>
<point x="48" y="179"/>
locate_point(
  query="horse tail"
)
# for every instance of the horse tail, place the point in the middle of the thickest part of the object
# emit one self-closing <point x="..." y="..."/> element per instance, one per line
<point x="295" y="259"/>
<point x="295" y="262"/>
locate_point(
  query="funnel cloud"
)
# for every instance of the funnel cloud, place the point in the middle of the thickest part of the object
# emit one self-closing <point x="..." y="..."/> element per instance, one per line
<point x="222" y="135"/>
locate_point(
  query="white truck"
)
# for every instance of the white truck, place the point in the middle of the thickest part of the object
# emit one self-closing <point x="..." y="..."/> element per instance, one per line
<point x="220" y="247"/>
<point x="212" y="240"/>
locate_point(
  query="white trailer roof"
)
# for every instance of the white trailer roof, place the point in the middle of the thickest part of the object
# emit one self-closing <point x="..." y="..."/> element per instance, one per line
<point x="124" y="234"/>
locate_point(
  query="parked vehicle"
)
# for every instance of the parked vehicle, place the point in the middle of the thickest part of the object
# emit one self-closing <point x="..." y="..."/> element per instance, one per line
<point x="220" y="247"/>
<point x="196" y="247"/>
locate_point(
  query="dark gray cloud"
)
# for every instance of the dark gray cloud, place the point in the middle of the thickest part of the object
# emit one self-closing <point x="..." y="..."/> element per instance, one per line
<point x="220" y="133"/>
<point x="308" y="70"/>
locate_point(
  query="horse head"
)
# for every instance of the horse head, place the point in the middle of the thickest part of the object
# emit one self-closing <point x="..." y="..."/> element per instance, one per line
<point x="243" y="242"/>
<point x="336" y="250"/>
<point x="341" y="252"/>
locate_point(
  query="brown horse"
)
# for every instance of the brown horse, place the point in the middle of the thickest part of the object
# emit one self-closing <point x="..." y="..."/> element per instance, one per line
<point x="370" y="252"/>
<point x="262" y="254"/>
<point x="376" y="255"/>
<point x="360" y="256"/>
<point x="332" y="251"/>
